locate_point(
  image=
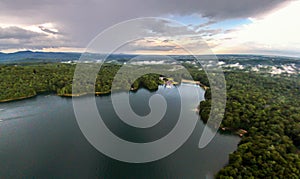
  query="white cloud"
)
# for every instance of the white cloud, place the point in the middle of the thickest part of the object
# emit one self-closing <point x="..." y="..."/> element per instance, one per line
<point x="15" y="37"/>
<point x="277" y="32"/>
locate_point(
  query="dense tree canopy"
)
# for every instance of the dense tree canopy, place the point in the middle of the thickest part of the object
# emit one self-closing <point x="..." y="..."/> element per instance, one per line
<point x="268" y="107"/>
<point x="26" y="80"/>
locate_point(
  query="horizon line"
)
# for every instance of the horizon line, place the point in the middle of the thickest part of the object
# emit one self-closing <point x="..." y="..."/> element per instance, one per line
<point x="217" y="54"/>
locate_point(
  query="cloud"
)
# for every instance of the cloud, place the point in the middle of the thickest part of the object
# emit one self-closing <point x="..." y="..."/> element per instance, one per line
<point x="149" y="45"/>
<point x="183" y="43"/>
<point x="207" y="8"/>
<point x="17" y="33"/>
<point x="31" y="37"/>
<point x="48" y="30"/>
<point x="82" y="20"/>
<point x="209" y="32"/>
<point x="276" y="33"/>
<point x="206" y="24"/>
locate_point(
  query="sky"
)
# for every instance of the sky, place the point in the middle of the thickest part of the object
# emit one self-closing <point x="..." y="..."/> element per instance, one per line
<point x="268" y="27"/>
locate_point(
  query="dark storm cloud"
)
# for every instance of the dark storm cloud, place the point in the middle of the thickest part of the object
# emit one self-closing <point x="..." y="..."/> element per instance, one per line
<point x="209" y="8"/>
<point x="17" y="33"/>
<point x="47" y="30"/>
<point x="84" y="19"/>
<point x="162" y="27"/>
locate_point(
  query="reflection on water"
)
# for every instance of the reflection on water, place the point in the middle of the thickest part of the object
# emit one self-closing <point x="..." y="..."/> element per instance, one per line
<point x="39" y="137"/>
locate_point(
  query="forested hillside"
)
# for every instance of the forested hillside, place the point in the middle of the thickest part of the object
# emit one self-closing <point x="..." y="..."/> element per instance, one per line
<point x="268" y="108"/>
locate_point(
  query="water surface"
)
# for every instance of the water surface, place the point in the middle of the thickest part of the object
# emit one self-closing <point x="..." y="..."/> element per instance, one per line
<point x="39" y="137"/>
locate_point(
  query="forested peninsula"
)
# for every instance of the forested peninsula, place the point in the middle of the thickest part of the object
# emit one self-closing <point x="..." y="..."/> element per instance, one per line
<point x="28" y="80"/>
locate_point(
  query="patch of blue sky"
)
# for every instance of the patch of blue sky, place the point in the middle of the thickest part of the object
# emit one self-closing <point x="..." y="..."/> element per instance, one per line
<point x="230" y="24"/>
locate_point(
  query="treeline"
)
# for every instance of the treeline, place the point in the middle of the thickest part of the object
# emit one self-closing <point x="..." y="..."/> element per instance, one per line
<point x="268" y="107"/>
<point x="26" y="80"/>
<point x="21" y="81"/>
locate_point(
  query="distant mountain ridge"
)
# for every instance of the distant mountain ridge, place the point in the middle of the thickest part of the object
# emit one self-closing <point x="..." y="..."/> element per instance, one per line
<point x="48" y="57"/>
<point x="23" y="55"/>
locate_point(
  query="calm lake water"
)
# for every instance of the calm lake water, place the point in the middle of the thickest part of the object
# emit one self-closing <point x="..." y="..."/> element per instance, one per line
<point x="40" y="138"/>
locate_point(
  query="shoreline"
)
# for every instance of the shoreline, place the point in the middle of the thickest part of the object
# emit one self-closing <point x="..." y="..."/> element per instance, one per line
<point x="195" y="82"/>
<point x="83" y="94"/>
<point x="238" y="132"/>
<point x="74" y="95"/>
<point x="18" y="98"/>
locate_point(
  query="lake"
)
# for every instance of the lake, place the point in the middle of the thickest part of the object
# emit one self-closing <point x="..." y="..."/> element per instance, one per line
<point x="40" y="137"/>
